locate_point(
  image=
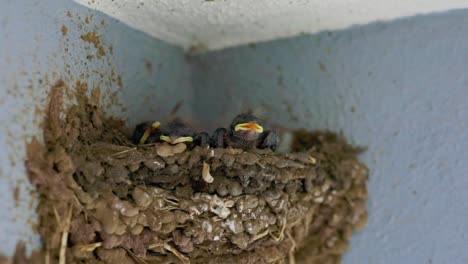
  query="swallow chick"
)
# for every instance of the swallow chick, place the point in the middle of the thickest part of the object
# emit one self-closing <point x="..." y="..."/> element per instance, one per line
<point x="177" y="131"/>
<point x="219" y="138"/>
<point x="147" y="133"/>
<point x="245" y="133"/>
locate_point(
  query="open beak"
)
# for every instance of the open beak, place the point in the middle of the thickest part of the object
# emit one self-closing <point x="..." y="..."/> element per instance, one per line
<point x="250" y="126"/>
<point x="148" y="132"/>
<point x="176" y="140"/>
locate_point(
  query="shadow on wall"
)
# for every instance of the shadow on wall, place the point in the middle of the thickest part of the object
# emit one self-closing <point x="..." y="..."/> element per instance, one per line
<point x="400" y="88"/>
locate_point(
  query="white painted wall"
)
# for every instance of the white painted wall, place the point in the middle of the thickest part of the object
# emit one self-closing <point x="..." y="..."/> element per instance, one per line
<point x="217" y="24"/>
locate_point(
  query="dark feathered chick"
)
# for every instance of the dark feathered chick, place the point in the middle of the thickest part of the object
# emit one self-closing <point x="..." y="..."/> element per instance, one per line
<point x="219" y="138"/>
<point x="245" y="132"/>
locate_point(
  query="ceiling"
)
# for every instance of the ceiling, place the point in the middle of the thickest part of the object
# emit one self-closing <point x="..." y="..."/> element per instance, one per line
<point x="215" y="24"/>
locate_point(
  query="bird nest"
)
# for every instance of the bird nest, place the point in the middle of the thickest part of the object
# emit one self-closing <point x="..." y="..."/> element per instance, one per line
<point x="105" y="200"/>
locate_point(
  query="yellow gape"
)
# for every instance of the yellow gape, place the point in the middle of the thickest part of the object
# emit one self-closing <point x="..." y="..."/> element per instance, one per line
<point x="148" y="132"/>
<point x="177" y="140"/>
<point x="252" y="126"/>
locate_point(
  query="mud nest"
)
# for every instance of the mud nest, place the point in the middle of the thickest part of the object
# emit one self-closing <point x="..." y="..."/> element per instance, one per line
<point x="104" y="200"/>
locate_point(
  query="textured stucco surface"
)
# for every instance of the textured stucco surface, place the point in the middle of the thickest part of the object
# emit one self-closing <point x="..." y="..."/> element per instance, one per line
<point x="223" y="23"/>
<point x="401" y="89"/>
<point x="34" y="54"/>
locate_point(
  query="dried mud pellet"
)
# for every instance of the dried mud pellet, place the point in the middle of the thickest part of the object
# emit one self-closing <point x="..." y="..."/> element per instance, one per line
<point x="184" y="243"/>
<point x="116" y="255"/>
<point x="124" y="207"/>
<point x="271" y="195"/>
<point x="153" y="222"/>
<point x="303" y="157"/>
<point x="81" y="232"/>
<point x="199" y="237"/>
<point x="181" y="217"/>
<point x="222" y="190"/>
<point x="142" y="219"/>
<point x="292" y="187"/>
<point x="268" y="174"/>
<point x="308" y="184"/>
<point x="241" y="240"/>
<point x="253" y="226"/>
<point x="168" y="227"/>
<point x="91" y="170"/>
<point x="187" y="248"/>
<point x="141" y="198"/>
<point x="194" y="159"/>
<point x="184" y="191"/>
<point x="121" y="229"/>
<point x="217" y="234"/>
<point x="158" y="203"/>
<point x="170" y="160"/>
<point x="109" y="218"/>
<point x="228" y="159"/>
<point x="247" y="202"/>
<point x="159" y="192"/>
<point x="85" y="197"/>
<point x="233" y="151"/>
<point x="235" y="225"/>
<point x="279" y="204"/>
<point x="111" y="241"/>
<point x="154" y="164"/>
<point x="133" y="167"/>
<point x="189" y="207"/>
<point x="117" y="174"/>
<point x="361" y="221"/>
<point x="173" y="169"/>
<point x="319" y="199"/>
<point x="218" y="207"/>
<point x="96" y="120"/>
<point x="247" y="158"/>
<point x="130" y="221"/>
<point x="261" y="202"/>
<point x="203" y="207"/>
<point x="166" y="150"/>
<point x="182" y="158"/>
<point x="207" y="226"/>
<point x="218" y="153"/>
<point x="137" y="229"/>
<point x="271" y="218"/>
<point x="335" y="219"/>
<point x="166" y="217"/>
<point x="235" y="189"/>
<point x="289" y="164"/>
<point x="179" y="148"/>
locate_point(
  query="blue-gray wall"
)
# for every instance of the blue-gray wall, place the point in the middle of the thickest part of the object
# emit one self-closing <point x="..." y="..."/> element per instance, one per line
<point x="34" y="53"/>
<point x="400" y="88"/>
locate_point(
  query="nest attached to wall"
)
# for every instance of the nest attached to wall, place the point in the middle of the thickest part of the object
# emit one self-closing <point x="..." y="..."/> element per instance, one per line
<point x="104" y="200"/>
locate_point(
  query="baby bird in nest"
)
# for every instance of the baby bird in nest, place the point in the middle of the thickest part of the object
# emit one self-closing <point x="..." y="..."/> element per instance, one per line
<point x="245" y="132"/>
